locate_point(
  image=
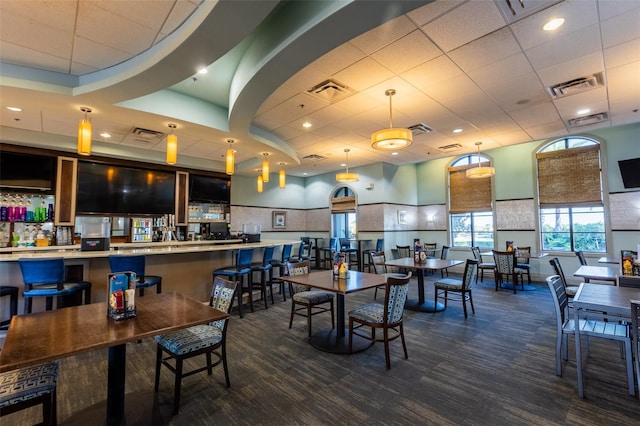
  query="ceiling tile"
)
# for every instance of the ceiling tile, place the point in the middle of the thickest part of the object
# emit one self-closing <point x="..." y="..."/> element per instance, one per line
<point x="385" y="34"/>
<point x="572" y="69"/>
<point x="363" y="74"/>
<point x="486" y="50"/>
<point x="575" y="45"/>
<point x="432" y="11"/>
<point x="621" y="28"/>
<point x="338" y="59"/>
<point x="537" y="115"/>
<point x="622" y="54"/>
<point x="407" y="52"/>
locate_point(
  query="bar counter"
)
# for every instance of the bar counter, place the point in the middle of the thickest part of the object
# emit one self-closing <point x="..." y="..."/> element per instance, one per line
<point x="185" y="266"/>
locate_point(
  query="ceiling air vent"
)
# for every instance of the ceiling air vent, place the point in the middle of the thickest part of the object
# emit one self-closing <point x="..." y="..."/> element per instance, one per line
<point x="146" y="136"/>
<point x="451" y="147"/>
<point x="314" y="157"/>
<point x="577" y="85"/>
<point x="420" y="128"/>
<point x="588" y="119"/>
<point x="329" y="91"/>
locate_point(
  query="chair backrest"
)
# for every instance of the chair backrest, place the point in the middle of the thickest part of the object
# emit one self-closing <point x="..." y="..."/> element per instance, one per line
<point x="332" y="244"/>
<point x="128" y="263"/>
<point x="221" y="298"/>
<point x="267" y="255"/>
<point x="299" y="268"/>
<point x="560" y="300"/>
<point x="445" y="252"/>
<point x="404" y="251"/>
<point x="395" y="297"/>
<point x="505" y="261"/>
<point x="378" y="259"/>
<point x="244" y="258"/>
<point x="286" y="252"/>
<point x="380" y="244"/>
<point x="635" y="321"/>
<point x="42" y="271"/>
<point x="476" y="254"/>
<point x="345" y="243"/>
<point x="305" y="239"/>
<point x="581" y="258"/>
<point x="470" y="271"/>
<point x="523" y="254"/>
<point x="555" y="263"/>
<point x="431" y="246"/>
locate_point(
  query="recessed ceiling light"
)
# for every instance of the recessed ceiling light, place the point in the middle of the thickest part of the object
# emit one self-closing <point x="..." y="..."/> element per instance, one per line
<point x="305" y="173"/>
<point x="14" y="109"/>
<point x="105" y="135"/>
<point x="394" y="153"/>
<point x="343" y="164"/>
<point x="553" y="24"/>
<point x="306" y="124"/>
<point x="457" y="130"/>
<point x="203" y="70"/>
<point x="583" y="111"/>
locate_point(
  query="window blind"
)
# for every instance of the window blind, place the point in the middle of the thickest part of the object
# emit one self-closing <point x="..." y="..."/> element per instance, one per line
<point x="569" y="177"/>
<point x="343" y="204"/>
<point x="468" y="195"/>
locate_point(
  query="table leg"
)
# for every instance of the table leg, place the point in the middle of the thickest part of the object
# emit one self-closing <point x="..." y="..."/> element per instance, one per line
<point x="576" y="313"/>
<point x="422" y="305"/>
<point x="115" y="385"/>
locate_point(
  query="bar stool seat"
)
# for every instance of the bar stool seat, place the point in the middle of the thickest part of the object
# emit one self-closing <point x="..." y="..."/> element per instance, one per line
<point x="136" y="264"/>
<point x="12" y="292"/>
<point x="242" y="268"/>
<point x="264" y="268"/>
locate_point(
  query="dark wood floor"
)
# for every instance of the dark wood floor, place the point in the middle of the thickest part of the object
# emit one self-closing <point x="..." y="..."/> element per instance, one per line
<point x="497" y="367"/>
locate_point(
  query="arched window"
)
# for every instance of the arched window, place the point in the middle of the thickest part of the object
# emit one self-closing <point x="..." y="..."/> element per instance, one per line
<point x="470" y="205"/>
<point x="570" y="196"/>
<point x="343" y="213"/>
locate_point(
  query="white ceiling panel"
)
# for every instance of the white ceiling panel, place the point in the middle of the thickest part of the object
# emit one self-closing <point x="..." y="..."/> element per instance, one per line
<point x="572" y="69"/>
<point x="407" y="52"/>
<point x="622" y="54"/>
<point x="486" y="50"/>
<point x="575" y="45"/>
<point x="621" y="28"/>
<point x="385" y="34"/>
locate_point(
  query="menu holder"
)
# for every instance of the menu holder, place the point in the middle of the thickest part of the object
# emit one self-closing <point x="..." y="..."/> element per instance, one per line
<point x="122" y="291"/>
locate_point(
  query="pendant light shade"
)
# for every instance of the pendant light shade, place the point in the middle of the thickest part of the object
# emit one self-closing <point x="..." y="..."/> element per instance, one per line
<point x="393" y="138"/>
<point x="282" y="177"/>
<point x="84" y="133"/>
<point x="230" y="158"/>
<point x="260" y="183"/>
<point x="480" y="172"/>
<point x="172" y="146"/>
<point x="346" y="176"/>
<point x="265" y="168"/>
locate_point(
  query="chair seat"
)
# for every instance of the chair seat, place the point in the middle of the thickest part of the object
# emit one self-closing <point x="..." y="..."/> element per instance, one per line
<point x="313" y="297"/>
<point x="487" y="265"/>
<point x="228" y="272"/>
<point x="27" y="383"/>
<point x="449" y="284"/>
<point x="8" y="290"/>
<point x="261" y="267"/>
<point x="50" y="290"/>
<point x="370" y="313"/>
<point x="190" y="339"/>
<point x="523" y="265"/>
<point x="149" y="281"/>
<point x="571" y="290"/>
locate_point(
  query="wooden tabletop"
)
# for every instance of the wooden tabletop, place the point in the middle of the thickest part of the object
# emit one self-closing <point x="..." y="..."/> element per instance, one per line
<point x="612" y="260"/>
<point x="602" y="273"/>
<point x="45" y="336"/>
<point x="324" y="280"/>
<point x="437" y="264"/>
<point x="606" y="298"/>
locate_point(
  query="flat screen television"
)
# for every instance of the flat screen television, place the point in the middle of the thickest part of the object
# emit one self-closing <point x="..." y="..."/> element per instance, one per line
<point x="630" y="172"/>
<point x="209" y="189"/>
<point x="27" y="172"/>
<point x="110" y="189"/>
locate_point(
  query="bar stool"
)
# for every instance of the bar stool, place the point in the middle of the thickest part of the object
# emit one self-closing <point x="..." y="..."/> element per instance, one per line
<point x="45" y="278"/>
<point x="328" y="253"/>
<point x="281" y="264"/>
<point x="136" y="264"/>
<point x="345" y="247"/>
<point x="12" y="292"/>
<point x="241" y="269"/>
<point x="263" y="268"/>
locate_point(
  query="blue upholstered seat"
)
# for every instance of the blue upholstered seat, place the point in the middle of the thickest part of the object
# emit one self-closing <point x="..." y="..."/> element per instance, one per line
<point x="281" y="264"/>
<point x="266" y="267"/>
<point x="136" y="264"/>
<point x="46" y="278"/>
<point x="30" y="386"/>
<point x="242" y="268"/>
<point x="208" y="339"/>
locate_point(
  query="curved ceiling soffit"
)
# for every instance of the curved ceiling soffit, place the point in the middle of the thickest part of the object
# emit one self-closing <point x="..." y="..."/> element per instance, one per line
<point x="306" y="32"/>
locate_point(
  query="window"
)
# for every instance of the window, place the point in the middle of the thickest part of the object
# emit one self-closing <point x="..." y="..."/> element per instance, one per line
<point x="570" y="196"/>
<point x="343" y="213"/>
<point x="470" y="205"/>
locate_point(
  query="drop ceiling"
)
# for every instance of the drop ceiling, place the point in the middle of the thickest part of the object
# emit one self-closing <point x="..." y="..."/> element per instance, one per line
<point x="470" y="65"/>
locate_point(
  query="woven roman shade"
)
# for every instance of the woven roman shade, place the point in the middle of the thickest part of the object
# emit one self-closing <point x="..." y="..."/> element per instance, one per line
<point x="569" y="177"/>
<point x="468" y="195"/>
<point x="343" y="204"/>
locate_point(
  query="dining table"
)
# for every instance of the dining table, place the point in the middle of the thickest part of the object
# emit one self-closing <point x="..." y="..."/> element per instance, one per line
<point x="420" y="304"/>
<point x="611" y="260"/>
<point x="46" y="336"/>
<point x="613" y="300"/>
<point x="600" y="273"/>
<point x="336" y="340"/>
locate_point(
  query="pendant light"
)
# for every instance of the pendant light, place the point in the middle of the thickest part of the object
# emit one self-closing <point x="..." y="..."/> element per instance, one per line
<point x="282" y="180"/>
<point x="480" y="172"/>
<point x="230" y="158"/>
<point x="347" y="177"/>
<point x="393" y="138"/>
<point x="172" y="146"/>
<point x="265" y="168"/>
<point x="260" y="181"/>
<point x="84" y="133"/>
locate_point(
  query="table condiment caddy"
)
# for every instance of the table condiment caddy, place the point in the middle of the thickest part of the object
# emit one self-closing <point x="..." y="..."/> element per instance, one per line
<point x="122" y="291"/>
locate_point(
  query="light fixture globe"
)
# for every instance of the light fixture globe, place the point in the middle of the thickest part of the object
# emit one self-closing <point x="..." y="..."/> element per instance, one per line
<point x="84" y="133"/>
<point x="480" y="172"/>
<point x="347" y="176"/>
<point x="393" y="138"/>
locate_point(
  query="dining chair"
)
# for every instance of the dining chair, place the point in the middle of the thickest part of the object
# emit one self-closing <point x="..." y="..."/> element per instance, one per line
<point x="237" y="272"/>
<point x="28" y="387"/>
<point x="266" y="275"/>
<point x="12" y="292"/>
<point x="379" y="267"/>
<point x="635" y="335"/>
<point x="444" y="255"/>
<point x="136" y="264"/>
<point x="506" y="267"/>
<point x="388" y="317"/>
<point x="46" y="278"/>
<point x="569" y="289"/>
<point x="305" y="301"/>
<point x="523" y="254"/>
<point x="445" y="286"/>
<point x="581" y="258"/>
<point x="430" y="249"/>
<point x="482" y="265"/>
<point x="207" y="339"/>
<point x="564" y="322"/>
<point x="403" y="251"/>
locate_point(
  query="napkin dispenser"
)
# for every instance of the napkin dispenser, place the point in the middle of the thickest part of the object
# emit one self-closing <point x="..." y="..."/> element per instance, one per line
<point x="122" y="293"/>
<point x="96" y="234"/>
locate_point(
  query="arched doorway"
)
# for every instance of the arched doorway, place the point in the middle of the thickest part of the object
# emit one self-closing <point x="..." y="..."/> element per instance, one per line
<point x="343" y="213"/>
